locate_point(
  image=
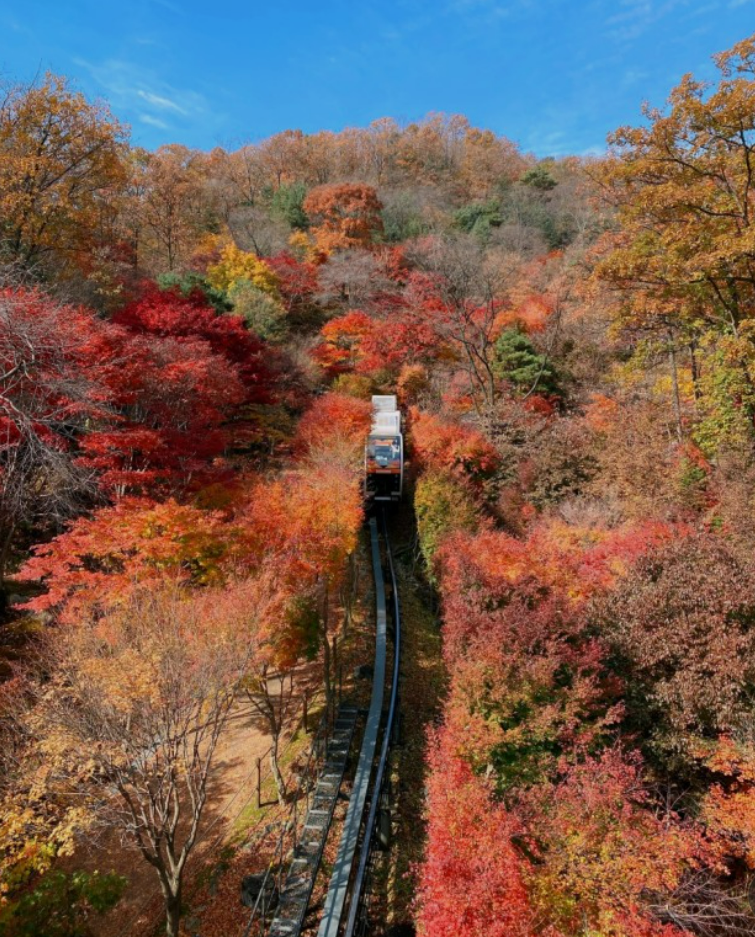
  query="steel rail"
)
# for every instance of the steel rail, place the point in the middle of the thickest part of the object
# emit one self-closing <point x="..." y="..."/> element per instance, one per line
<point x="369" y="832"/>
<point x="339" y="882"/>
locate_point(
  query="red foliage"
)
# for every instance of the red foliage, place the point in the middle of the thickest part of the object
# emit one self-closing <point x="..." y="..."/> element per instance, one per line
<point x="472" y="881"/>
<point x="358" y="342"/>
<point x="531" y="700"/>
<point x="145" y="401"/>
<point x="603" y="851"/>
<point x="542" y="405"/>
<point x="344" y="339"/>
<point x="530" y="692"/>
<point x="172" y="398"/>
<point x="297" y="281"/>
<point x="401" y="338"/>
<point x="395" y="263"/>
<point x="170" y="314"/>
<point x="50" y="381"/>
<point x="452" y="446"/>
<point x="569" y="562"/>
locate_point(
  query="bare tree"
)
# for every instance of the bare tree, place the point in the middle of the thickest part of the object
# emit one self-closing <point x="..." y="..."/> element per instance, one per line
<point x="353" y="279"/>
<point x="47" y="396"/>
<point x="469" y="287"/>
<point x="275" y="705"/>
<point x="704" y="904"/>
<point x="135" y="709"/>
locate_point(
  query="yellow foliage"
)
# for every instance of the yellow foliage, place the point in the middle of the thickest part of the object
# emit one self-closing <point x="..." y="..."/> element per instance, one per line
<point x="62" y="172"/>
<point x="235" y="265"/>
<point x="303" y="247"/>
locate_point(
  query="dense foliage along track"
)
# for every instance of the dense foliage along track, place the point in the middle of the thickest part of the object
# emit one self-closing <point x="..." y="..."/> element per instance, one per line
<point x="347" y="884"/>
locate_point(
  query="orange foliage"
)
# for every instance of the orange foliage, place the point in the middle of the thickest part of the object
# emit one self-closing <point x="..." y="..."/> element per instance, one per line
<point x="412" y="380"/>
<point x="334" y="420"/>
<point x="603" y="851"/>
<point x="311" y="516"/>
<point x="344" y="216"/>
<point x="729" y="806"/>
<point x="342" y="349"/>
<point x="100" y="561"/>
<point x="570" y="563"/>
<point x="531" y="315"/>
<point x="452" y="446"/>
<point x="601" y="412"/>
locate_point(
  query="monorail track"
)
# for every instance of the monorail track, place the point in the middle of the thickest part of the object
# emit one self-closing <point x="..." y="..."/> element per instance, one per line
<point x="345" y="908"/>
<point x="357" y="920"/>
<point x="345" y="899"/>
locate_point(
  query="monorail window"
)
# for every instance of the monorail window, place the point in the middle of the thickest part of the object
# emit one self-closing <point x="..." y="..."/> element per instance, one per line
<point x="384" y="451"/>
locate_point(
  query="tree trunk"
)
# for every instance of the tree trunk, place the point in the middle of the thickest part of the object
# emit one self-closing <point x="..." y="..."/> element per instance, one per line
<point x="695" y="370"/>
<point x="280" y="784"/>
<point x="172" y="909"/>
<point x="349" y="592"/>
<point x="5" y="544"/>
<point x="675" y="381"/>
<point x="326" y="668"/>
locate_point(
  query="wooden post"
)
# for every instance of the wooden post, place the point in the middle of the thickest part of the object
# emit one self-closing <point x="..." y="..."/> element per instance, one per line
<point x="259" y="783"/>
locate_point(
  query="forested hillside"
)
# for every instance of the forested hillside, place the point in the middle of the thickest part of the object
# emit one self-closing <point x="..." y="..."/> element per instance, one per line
<point x="188" y="345"/>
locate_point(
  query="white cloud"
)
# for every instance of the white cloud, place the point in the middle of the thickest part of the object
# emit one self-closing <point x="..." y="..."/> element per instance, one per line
<point x="633" y="76"/>
<point x="158" y="101"/>
<point x="153" y="121"/>
<point x="129" y="86"/>
<point x="10" y="22"/>
<point x="636" y="16"/>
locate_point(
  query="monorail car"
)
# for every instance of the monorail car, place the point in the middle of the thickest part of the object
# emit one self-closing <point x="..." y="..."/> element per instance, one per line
<point x="384" y="452"/>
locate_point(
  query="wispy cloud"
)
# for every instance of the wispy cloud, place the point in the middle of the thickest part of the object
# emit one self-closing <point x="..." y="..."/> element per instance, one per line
<point x="160" y="102"/>
<point x="547" y="142"/>
<point x="635" y="17"/>
<point x="153" y="121"/>
<point x="10" y="22"/>
<point x="130" y="87"/>
<point x="486" y="11"/>
<point x="711" y="8"/>
<point x="634" y="76"/>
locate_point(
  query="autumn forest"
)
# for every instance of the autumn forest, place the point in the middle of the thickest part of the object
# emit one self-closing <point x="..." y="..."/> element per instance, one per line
<point x="189" y="343"/>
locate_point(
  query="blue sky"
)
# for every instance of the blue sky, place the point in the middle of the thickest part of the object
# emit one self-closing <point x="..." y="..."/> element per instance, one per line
<point x="554" y="75"/>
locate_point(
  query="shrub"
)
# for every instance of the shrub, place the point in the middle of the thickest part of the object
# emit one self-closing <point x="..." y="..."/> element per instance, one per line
<point x="443" y="504"/>
<point x="61" y="905"/>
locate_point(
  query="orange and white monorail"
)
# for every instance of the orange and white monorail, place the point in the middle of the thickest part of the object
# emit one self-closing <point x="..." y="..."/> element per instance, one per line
<point x="384" y="452"/>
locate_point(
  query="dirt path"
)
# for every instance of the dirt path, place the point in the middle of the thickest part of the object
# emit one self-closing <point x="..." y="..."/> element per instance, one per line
<point x="235" y="837"/>
<point x="232" y="789"/>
